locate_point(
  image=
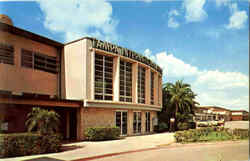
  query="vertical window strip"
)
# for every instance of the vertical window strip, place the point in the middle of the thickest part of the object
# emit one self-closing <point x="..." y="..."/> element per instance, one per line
<point x="125" y="81"/>
<point x="141" y="84"/>
<point x="103" y="77"/>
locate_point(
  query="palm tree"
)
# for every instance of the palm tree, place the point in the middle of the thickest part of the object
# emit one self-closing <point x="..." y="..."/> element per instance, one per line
<point x="43" y="121"/>
<point x="179" y="97"/>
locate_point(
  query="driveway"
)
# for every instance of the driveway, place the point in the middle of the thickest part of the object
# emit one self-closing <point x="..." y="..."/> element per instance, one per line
<point x="90" y="149"/>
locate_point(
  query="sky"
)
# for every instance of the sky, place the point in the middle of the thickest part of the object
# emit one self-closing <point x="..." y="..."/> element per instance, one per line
<point x="203" y="42"/>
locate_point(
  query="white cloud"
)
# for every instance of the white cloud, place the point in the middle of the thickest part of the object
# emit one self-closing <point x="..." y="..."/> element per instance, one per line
<point x="172" y="23"/>
<point x="238" y="18"/>
<point x="221" y="80"/>
<point x="174" y="67"/>
<point x="220" y="3"/>
<point x="214" y="87"/>
<point x="80" y="18"/>
<point x="194" y="10"/>
<point x="173" y="13"/>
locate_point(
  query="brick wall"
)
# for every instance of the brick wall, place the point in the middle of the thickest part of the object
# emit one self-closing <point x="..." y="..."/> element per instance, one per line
<point x="92" y="117"/>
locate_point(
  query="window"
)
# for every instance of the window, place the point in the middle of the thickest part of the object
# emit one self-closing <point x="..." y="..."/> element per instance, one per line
<point x="125" y="81"/>
<point x="39" y="61"/>
<point x="147" y="121"/>
<point x="137" y="122"/>
<point x="6" y="54"/>
<point x="152" y="88"/>
<point x="103" y="77"/>
<point x="141" y="84"/>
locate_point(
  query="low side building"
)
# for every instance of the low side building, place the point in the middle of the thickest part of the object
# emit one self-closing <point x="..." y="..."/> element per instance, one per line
<point x="239" y="115"/>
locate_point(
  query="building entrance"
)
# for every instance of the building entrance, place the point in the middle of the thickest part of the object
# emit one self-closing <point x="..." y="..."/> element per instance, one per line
<point x="121" y="121"/>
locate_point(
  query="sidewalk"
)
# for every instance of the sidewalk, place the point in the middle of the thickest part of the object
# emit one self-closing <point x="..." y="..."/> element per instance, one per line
<point x="91" y="149"/>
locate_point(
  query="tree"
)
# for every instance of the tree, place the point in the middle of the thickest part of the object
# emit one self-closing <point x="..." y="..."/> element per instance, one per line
<point x="180" y="97"/>
<point x="43" y="121"/>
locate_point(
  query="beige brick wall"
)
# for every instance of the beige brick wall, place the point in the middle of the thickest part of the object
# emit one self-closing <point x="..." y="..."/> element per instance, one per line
<point x="96" y="117"/>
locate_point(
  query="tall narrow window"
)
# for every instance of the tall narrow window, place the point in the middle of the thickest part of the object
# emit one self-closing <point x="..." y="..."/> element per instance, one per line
<point x="152" y="88"/>
<point x="6" y="54"/>
<point x="141" y="84"/>
<point x="137" y="122"/>
<point x="103" y="77"/>
<point x="39" y="61"/>
<point x="125" y="81"/>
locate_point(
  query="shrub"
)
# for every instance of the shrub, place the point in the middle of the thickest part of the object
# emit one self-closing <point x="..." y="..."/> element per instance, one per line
<point x="183" y="126"/>
<point x="162" y="127"/>
<point x="20" y="144"/>
<point x="102" y="133"/>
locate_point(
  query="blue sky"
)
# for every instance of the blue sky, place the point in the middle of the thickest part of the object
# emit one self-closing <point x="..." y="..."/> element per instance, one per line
<point x="203" y="42"/>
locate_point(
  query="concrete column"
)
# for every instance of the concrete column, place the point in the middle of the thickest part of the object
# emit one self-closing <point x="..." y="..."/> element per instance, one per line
<point x="147" y="86"/>
<point x="67" y="124"/>
<point x="160" y="90"/>
<point x="156" y="89"/>
<point x="80" y="128"/>
<point x="134" y="82"/>
<point x="116" y="78"/>
<point x="92" y="76"/>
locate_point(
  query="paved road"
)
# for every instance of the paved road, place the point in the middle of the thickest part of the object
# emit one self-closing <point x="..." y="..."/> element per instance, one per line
<point x="193" y="152"/>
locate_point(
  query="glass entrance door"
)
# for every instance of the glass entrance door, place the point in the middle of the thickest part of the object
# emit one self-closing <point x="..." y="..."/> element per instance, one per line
<point x="147" y="121"/>
<point x="121" y="121"/>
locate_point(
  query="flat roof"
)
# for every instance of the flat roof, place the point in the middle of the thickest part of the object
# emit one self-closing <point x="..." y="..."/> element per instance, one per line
<point x="29" y="35"/>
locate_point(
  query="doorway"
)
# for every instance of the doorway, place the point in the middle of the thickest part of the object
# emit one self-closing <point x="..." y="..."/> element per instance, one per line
<point x="137" y="123"/>
<point x="121" y="121"/>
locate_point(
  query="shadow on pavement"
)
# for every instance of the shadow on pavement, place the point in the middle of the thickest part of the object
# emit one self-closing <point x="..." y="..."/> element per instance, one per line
<point x="43" y="159"/>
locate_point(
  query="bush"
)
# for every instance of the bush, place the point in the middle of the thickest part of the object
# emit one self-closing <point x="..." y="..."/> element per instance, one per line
<point x="183" y="126"/>
<point x="162" y="127"/>
<point x="12" y="145"/>
<point x="102" y="133"/>
<point x="192" y="125"/>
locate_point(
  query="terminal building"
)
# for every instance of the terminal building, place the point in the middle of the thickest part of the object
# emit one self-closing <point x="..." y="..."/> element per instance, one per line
<point x="89" y="82"/>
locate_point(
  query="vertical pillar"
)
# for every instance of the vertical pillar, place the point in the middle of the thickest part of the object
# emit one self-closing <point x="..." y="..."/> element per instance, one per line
<point x="160" y="90"/>
<point x="156" y="89"/>
<point x="147" y="86"/>
<point x="67" y="125"/>
<point x="134" y="82"/>
<point x="80" y="126"/>
<point x="92" y="76"/>
<point x="116" y="78"/>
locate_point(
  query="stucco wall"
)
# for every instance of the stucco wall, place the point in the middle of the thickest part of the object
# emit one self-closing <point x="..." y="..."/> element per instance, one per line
<point x="75" y="70"/>
<point x="20" y="79"/>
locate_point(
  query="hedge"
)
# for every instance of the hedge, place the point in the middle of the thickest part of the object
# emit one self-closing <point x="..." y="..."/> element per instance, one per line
<point x="211" y="133"/>
<point x="102" y="133"/>
<point x="20" y="144"/>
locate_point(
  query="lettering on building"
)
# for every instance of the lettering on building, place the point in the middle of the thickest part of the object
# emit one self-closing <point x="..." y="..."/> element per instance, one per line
<point x="98" y="44"/>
